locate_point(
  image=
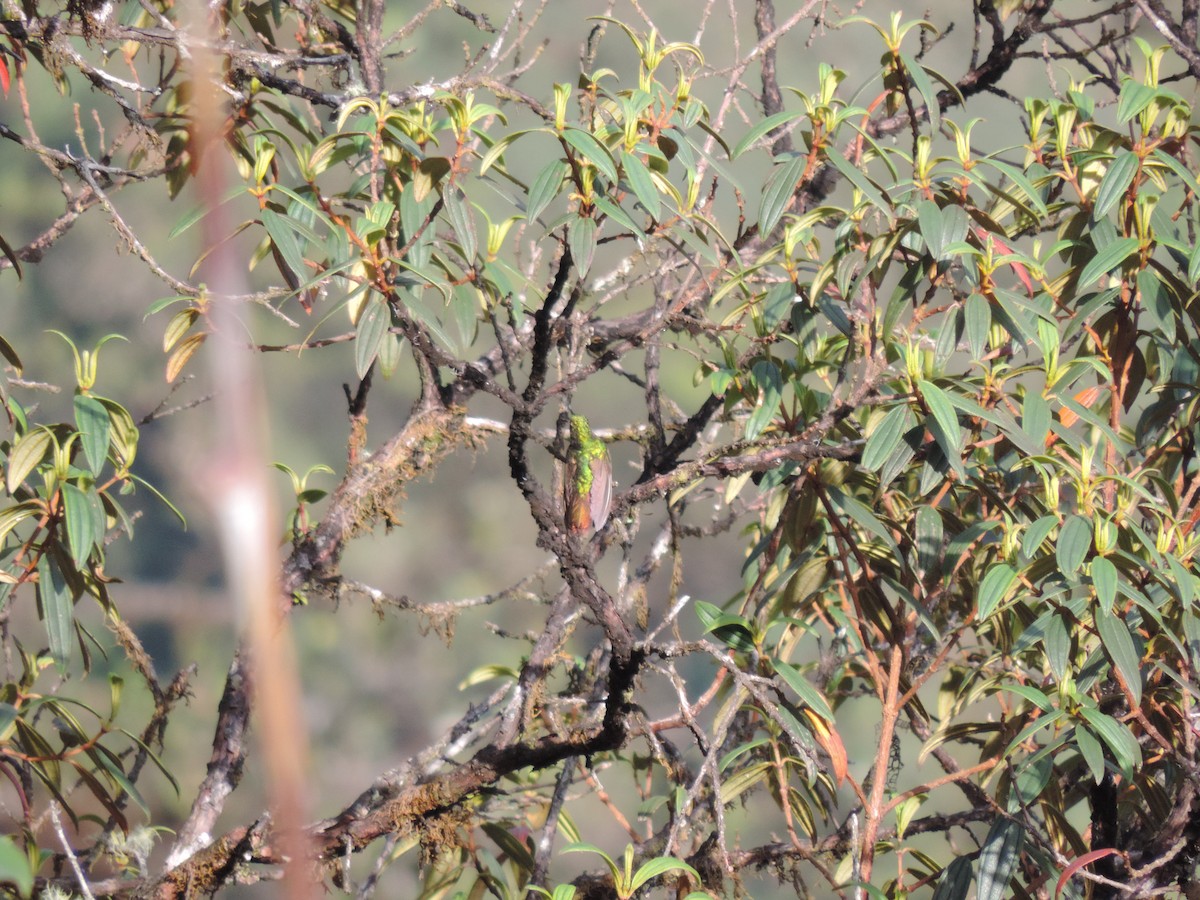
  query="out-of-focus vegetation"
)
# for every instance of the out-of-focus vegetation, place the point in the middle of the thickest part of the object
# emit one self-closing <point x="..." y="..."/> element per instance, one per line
<point x="746" y="453"/>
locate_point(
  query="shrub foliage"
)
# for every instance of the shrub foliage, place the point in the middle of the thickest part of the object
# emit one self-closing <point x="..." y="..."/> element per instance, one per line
<point x="945" y="395"/>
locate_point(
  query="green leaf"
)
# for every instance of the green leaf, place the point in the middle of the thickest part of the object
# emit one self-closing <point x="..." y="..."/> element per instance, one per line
<point x="14" y="866"/>
<point x="946" y="431"/>
<point x="1104" y="580"/>
<point x="863" y="516"/>
<point x="81" y="533"/>
<point x="111" y="764"/>
<point x="770" y="123"/>
<point x="768" y="380"/>
<point x="809" y="695"/>
<point x="1017" y="177"/>
<point x="1193" y="271"/>
<point x="11" y="254"/>
<point x="1116" y="181"/>
<point x="123" y="432"/>
<point x="978" y="315"/>
<point x="1134" y="98"/>
<point x="642" y="183"/>
<point x="545" y="188"/>
<point x="497" y="150"/>
<point x="1180" y="170"/>
<point x="583" y="847"/>
<point x="929" y="535"/>
<point x="283" y="236"/>
<point x="54" y="596"/>
<point x="373" y="326"/>
<point x="1124" y="746"/>
<point x="733" y="631"/>
<point x="593" y="151"/>
<point x="961" y="542"/>
<point x="29" y="451"/>
<point x="1091" y="751"/>
<point x="1074" y="542"/>
<point x="955" y="881"/>
<point x="856" y="177"/>
<point x="581" y="238"/>
<point x="998" y="859"/>
<point x="658" y="866"/>
<point x="91" y="418"/>
<point x="1057" y="642"/>
<point x="199" y="212"/>
<point x="993" y="589"/>
<point x="1030" y="693"/>
<point x="12" y="516"/>
<point x="778" y="192"/>
<point x="617" y="213"/>
<point x="10" y="354"/>
<point x="1118" y="644"/>
<point x="462" y="220"/>
<point x="929" y="221"/>
<point x="886" y="437"/>
<point x="1035" y="416"/>
<point x="924" y="85"/>
<point x="1106" y="260"/>
<point x="514" y="848"/>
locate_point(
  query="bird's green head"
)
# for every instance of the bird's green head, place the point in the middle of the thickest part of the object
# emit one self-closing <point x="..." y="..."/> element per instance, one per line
<point x="581" y="432"/>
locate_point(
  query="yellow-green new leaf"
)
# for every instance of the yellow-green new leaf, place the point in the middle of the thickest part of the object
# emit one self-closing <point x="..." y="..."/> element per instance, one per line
<point x="29" y="451"/>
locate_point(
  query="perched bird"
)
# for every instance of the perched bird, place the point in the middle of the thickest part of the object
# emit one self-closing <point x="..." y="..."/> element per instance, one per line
<point x="588" y="485"/>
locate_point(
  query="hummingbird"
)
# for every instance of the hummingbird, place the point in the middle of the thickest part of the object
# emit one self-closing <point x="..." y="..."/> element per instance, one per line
<point x="588" y="485"/>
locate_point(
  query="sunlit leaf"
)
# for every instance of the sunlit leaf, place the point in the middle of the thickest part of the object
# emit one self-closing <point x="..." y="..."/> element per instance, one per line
<point x="886" y="436"/>
<point x="856" y="177"/>
<point x="545" y="188"/>
<point x="182" y="354"/>
<point x="1091" y="751"/>
<point x="994" y="588"/>
<point x="778" y="192"/>
<point x="283" y="235"/>
<point x="373" y="326"/>
<point x="944" y="421"/>
<point x="803" y="688"/>
<point x="14" y="866"/>
<point x="1116" y="182"/>
<point x="29" y="451"/>
<point x="761" y="129"/>
<point x="81" y="534"/>
<point x="1124" y="746"/>
<point x="91" y="418"/>
<point x="593" y="151"/>
<point x="642" y="184"/>
<point x="1106" y="260"/>
<point x="924" y="85"/>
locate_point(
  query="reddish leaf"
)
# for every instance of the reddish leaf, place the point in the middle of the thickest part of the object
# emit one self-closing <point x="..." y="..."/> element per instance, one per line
<point x="1022" y="272"/>
<point x="4" y="76"/>
<point x="1086" y="397"/>
<point x="1086" y="859"/>
<point x="831" y="743"/>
